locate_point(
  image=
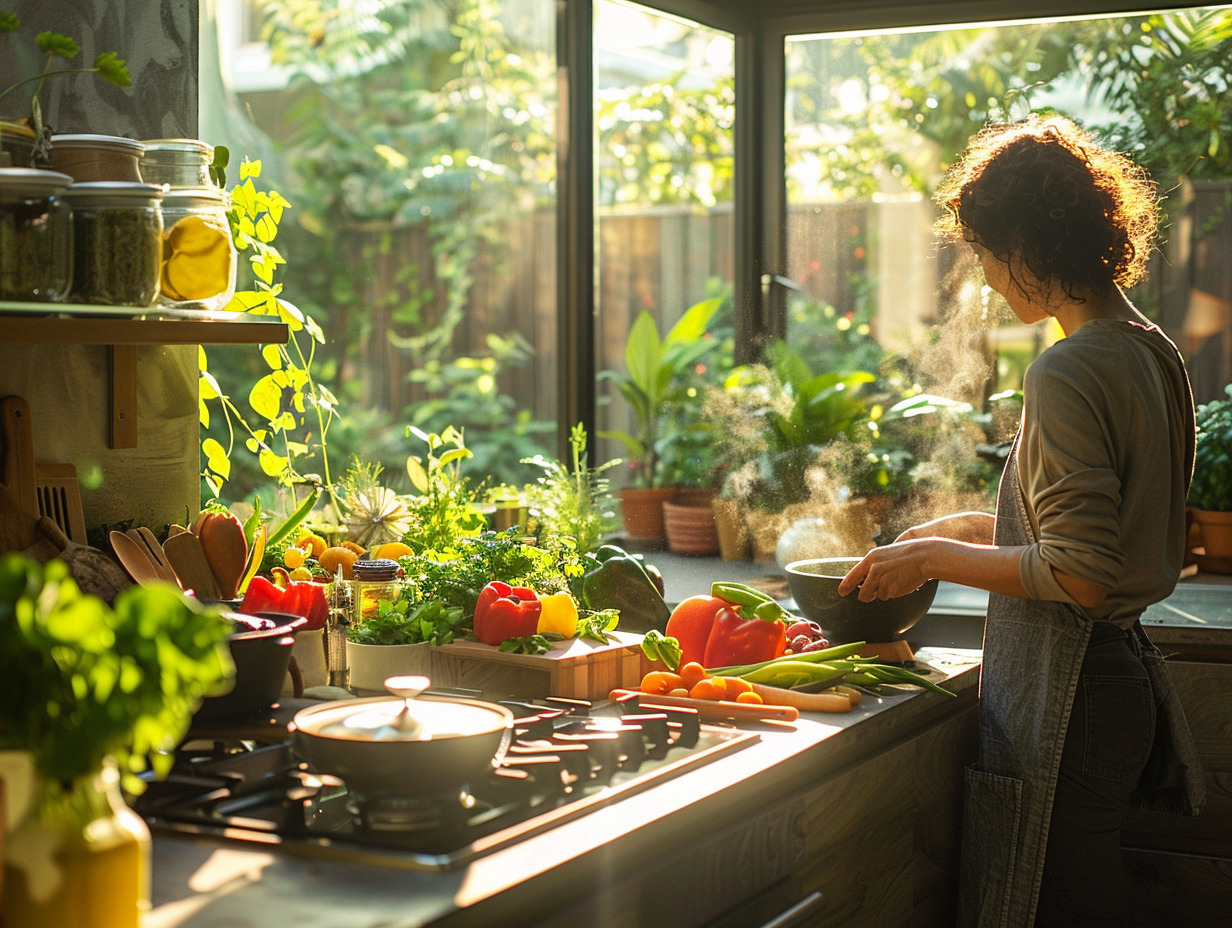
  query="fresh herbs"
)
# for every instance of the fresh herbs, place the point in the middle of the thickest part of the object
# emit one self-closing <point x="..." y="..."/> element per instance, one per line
<point x="404" y="622"/>
<point x="83" y="682"/>
<point x="572" y="501"/>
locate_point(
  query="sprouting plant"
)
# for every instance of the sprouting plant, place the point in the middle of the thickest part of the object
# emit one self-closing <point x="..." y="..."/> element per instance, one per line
<point x="55" y="46"/>
<point x="573" y="500"/>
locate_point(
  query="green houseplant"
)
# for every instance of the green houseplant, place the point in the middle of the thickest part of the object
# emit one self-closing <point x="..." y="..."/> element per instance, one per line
<point x="1210" y="491"/>
<point x="652" y="363"/>
<point x="124" y="681"/>
<point x="54" y="47"/>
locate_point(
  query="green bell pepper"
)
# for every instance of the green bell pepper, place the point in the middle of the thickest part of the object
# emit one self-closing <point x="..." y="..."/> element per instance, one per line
<point x="620" y="581"/>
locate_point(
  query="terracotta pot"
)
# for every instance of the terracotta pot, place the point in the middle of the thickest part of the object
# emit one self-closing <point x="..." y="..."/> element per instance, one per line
<point x="642" y="509"/>
<point x="1216" y="529"/>
<point x="731" y="530"/>
<point x="690" y="528"/>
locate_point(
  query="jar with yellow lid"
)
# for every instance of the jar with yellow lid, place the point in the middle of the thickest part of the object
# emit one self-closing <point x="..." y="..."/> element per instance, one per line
<point x="198" y="255"/>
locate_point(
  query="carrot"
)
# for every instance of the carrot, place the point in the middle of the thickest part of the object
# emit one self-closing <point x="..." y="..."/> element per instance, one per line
<point x="708" y="688"/>
<point x="660" y="682"/>
<point x="691" y="674"/>
<point x="749" y="696"/>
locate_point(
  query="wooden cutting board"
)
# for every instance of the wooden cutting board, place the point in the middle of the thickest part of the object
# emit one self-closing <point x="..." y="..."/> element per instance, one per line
<point x="578" y="668"/>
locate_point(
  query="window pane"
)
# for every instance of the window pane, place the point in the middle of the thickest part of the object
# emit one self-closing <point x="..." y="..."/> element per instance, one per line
<point x="416" y="142"/>
<point x="664" y="112"/>
<point x="872" y="120"/>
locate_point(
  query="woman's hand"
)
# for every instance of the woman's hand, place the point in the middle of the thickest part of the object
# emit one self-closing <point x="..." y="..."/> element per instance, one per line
<point x="889" y="571"/>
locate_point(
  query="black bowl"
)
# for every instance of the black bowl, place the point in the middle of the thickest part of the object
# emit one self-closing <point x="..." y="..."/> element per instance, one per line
<point x="814" y="586"/>
<point x="261" y="650"/>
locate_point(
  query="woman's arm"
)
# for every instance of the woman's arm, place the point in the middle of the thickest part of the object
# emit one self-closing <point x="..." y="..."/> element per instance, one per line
<point x="973" y="527"/>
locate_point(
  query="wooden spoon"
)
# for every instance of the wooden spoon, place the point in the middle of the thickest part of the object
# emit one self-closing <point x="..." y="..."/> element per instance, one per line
<point x="135" y="558"/>
<point x="154" y="548"/>
<point x="186" y="555"/>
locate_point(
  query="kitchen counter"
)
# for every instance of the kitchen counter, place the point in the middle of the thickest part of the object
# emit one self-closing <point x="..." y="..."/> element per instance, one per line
<point x="709" y="838"/>
<point x="854" y="815"/>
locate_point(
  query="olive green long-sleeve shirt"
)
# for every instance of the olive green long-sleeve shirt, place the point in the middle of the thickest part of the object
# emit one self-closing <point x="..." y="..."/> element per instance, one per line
<point x="1105" y="458"/>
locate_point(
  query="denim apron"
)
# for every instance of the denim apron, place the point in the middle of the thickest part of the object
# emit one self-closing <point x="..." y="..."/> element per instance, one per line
<point x="1033" y="653"/>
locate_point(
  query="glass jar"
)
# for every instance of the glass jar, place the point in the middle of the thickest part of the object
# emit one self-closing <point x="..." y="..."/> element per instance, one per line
<point x="372" y="581"/>
<point x="198" y="255"/>
<point x="178" y="162"/>
<point x="87" y="158"/>
<point x="117" y="242"/>
<point x="36" y="236"/>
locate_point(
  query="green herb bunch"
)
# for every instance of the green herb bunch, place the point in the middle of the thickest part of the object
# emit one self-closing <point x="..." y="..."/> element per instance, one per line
<point x="55" y="46"/>
<point x="573" y="501"/>
<point x="83" y="681"/>
<point x="403" y="621"/>
<point x="443" y="511"/>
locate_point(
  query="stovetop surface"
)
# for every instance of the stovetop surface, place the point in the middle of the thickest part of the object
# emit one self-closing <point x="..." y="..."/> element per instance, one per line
<point x="567" y="758"/>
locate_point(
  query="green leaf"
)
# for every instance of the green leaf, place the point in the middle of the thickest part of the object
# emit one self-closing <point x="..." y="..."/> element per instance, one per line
<point x="9" y="22"/>
<point x="113" y="70"/>
<point x="273" y="465"/>
<point x="250" y="169"/>
<point x="266" y="397"/>
<point x="61" y="46"/>
<point x="216" y="457"/>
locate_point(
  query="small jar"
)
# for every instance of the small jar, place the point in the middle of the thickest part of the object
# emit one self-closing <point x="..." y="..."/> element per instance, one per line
<point x="88" y="158"/>
<point x="372" y="582"/>
<point x="36" y="236"/>
<point x="178" y="162"/>
<point x="198" y="254"/>
<point x="117" y="242"/>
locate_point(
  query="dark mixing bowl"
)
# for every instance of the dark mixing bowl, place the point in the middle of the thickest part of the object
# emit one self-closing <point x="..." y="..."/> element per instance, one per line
<point x="814" y="586"/>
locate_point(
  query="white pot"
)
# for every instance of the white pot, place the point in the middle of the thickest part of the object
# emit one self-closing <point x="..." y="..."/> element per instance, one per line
<point x="370" y="665"/>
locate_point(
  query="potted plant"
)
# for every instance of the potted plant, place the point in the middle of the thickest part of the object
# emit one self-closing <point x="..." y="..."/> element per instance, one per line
<point x="1210" y="491"/>
<point x="31" y="137"/>
<point x="397" y="638"/>
<point x="652" y="363"/>
<point x="126" y="680"/>
<point x="573" y="502"/>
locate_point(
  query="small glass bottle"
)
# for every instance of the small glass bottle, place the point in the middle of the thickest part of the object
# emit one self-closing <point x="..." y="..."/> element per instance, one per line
<point x="117" y="242"/>
<point x="36" y="236"/>
<point x="198" y="255"/>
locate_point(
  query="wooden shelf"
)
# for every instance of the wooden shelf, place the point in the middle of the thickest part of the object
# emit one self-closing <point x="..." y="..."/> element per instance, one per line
<point x="123" y="329"/>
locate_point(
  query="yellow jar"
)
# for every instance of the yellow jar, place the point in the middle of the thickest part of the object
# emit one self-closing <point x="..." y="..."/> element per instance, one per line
<point x="198" y="255"/>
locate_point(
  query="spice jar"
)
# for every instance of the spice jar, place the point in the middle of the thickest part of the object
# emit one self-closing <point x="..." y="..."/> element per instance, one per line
<point x="198" y="255"/>
<point x="373" y="582"/>
<point x="36" y="244"/>
<point x="117" y="242"/>
<point x="178" y="162"/>
<point x="87" y="158"/>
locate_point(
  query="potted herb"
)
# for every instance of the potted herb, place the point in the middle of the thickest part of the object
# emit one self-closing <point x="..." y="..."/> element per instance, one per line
<point x="1210" y="491"/>
<point x="573" y="501"/>
<point x="56" y="48"/>
<point x="652" y="362"/>
<point x="125" y="680"/>
<point x="397" y="638"/>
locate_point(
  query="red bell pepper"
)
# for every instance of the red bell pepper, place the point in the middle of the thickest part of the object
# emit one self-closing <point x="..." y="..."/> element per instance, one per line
<point x="737" y="640"/>
<point x="299" y="597"/>
<point x="505" y="612"/>
<point x="690" y="624"/>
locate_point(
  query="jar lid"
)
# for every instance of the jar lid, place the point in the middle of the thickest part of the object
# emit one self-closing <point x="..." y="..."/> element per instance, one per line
<point x="193" y="146"/>
<point x="377" y="570"/>
<point x="114" y="193"/>
<point x="33" y="182"/>
<point x="110" y="142"/>
<point x="190" y="197"/>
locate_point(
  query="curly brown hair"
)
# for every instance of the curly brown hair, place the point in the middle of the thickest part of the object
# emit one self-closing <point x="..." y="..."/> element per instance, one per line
<point x="1043" y="192"/>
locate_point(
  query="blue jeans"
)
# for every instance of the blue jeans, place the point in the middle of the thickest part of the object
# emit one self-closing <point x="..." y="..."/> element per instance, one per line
<point x="1111" y="728"/>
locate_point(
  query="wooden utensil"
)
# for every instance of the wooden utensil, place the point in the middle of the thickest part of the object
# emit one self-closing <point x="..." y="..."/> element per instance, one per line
<point x="187" y="557"/>
<point x="17" y="431"/>
<point x="59" y="498"/>
<point x="135" y="558"/>
<point x="154" y="549"/>
<point x="713" y="709"/>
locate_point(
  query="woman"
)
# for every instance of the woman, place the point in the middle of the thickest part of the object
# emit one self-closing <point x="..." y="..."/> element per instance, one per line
<point x="1090" y="529"/>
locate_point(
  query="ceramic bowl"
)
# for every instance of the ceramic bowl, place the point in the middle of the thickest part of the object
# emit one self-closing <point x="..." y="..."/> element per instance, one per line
<point x="814" y="586"/>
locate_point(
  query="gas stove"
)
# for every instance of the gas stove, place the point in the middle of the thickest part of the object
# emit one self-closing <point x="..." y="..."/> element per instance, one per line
<point x="567" y="758"/>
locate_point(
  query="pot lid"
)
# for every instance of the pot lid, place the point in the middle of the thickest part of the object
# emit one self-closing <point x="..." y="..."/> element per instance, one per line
<point x="194" y="146"/>
<point x="33" y="182"/>
<point x="390" y="718"/>
<point x="109" y="142"/>
<point x="114" y="193"/>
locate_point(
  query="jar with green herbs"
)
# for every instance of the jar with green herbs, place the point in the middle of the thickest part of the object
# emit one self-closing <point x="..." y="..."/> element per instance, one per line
<point x="198" y="258"/>
<point x="117" y="242"/>
<point x="36" y="244"/>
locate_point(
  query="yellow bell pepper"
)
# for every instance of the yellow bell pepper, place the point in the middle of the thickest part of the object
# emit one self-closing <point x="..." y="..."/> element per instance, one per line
<point x="559" y="614"/>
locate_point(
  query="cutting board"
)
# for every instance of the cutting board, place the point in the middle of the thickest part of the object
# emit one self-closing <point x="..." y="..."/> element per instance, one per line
<point x="578" y="668"/>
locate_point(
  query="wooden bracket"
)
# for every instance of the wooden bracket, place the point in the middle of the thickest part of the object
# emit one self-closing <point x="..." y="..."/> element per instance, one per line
<point x="123" y="396"/>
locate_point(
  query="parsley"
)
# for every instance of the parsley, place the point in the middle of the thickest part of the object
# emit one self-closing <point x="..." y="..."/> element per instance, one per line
<point x="530" y="644"/>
